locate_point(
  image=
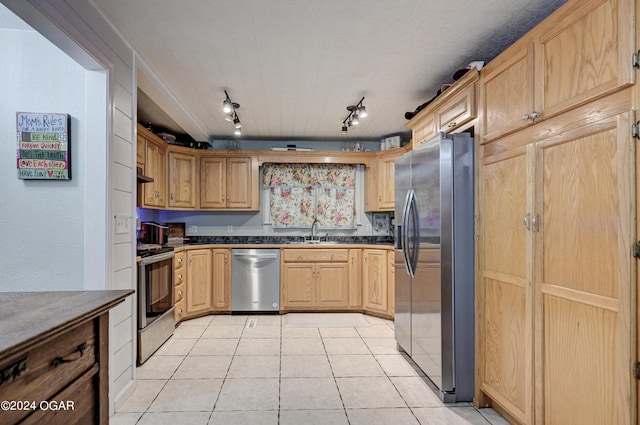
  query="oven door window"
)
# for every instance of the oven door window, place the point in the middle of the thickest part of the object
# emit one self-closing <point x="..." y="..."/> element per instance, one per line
<point x="158" y="287"/>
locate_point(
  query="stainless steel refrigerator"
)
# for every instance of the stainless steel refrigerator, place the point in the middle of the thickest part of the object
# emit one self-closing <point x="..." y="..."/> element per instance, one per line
<point x="434" y="259"/>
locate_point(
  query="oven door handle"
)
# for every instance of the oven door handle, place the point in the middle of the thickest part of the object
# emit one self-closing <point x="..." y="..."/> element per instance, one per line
<point x="155" y="258"/>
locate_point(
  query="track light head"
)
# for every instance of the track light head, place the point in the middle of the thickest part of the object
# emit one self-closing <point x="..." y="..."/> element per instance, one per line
<point x="356" y="112"/>
<point x="231" y="115"/>
<point x="227" y="106"/>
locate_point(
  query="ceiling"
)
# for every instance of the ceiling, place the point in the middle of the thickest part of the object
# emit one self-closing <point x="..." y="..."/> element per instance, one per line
<point x="294" y="66"/>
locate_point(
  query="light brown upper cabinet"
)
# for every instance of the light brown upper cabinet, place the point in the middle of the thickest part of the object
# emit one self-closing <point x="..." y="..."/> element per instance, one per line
<point x="380" y="184"/>
<point x="154" y="194"/>
<point x="579" y="54"/>
<point x="424" y="128"/>
<point x="380" y="194"/>
<point x="454" y="110"/>
<point x="458" y="110"/>
<point x="182" y="180"/>
<point x="229" y="183"/>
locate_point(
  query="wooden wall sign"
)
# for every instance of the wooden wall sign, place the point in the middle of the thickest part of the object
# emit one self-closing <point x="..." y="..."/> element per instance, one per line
<point x="44" y="146"/>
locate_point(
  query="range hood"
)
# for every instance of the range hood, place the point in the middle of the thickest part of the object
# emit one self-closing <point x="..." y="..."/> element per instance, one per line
<point x="142" y="178"/>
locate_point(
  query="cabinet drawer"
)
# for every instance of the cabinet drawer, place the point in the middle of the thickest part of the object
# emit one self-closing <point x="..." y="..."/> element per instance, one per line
<point x="179" y="293"/>
<point x="179" y="276"/>
<point x="46" y="369"/>
<point x="179" y="312"/>
<point x="459" y="110"/>
<point x="179" y="260"/>
<point x="320" y="254"/>
<point x="80" y="395"/>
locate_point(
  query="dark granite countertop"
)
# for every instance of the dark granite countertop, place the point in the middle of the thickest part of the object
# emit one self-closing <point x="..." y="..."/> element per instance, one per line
<point x="284" y="240"/>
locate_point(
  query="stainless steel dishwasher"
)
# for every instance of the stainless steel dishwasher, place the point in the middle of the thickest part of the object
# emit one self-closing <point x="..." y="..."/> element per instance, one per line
<point x="255" y="280"/>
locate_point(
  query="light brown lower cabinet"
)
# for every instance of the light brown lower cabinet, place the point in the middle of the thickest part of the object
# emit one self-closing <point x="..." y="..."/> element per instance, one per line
<point x="375" y="295"/>
<point x="221" y="279"/>
<point x="199" y="281"/>
<point x="355" y="279"/>
<point x="314" y="279"/>
<point x="556" y="307"/>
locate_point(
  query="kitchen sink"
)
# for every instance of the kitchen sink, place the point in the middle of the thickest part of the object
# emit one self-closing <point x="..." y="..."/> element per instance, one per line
<point x="314" y="242"/>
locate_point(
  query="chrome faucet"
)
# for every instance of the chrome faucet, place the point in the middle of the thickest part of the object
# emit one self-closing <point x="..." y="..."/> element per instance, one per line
<point x="313" y="228"/>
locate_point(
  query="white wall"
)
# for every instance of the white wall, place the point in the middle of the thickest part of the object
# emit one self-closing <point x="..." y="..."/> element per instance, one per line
<point x="42" y="222"/>
<point x="81" y="32"/>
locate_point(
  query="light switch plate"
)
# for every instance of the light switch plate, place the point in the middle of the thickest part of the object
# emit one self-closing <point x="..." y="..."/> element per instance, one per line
<point x="123" y="224"/>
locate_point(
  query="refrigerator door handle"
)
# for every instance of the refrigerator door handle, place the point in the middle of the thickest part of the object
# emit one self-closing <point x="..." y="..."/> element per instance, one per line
<point x="415" y="247"/>
<point x="404" y="235"/>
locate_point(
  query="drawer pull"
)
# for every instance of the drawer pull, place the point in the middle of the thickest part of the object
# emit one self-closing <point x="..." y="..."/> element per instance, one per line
<point x="13" y="371"/>
<point x="60" y="360"/>
<point x="452" y="124"/>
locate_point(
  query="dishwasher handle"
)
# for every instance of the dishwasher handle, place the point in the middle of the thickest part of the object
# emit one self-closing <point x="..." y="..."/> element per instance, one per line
<point x="258" y="256"/>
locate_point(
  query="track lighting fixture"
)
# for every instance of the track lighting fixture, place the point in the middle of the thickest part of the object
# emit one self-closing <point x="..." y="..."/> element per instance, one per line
<point x="231" y="115"/>
<point x="355" y="114"/>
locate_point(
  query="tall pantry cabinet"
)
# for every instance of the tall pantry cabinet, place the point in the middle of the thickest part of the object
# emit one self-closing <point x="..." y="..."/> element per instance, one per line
<point x="556" y="280"/>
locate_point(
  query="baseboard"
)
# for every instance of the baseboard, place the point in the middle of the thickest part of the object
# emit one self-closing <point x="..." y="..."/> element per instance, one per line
<point x="122" y="397"/>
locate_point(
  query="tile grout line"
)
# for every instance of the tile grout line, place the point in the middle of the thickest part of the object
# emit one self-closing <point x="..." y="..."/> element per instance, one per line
<point x="333" y="375"/>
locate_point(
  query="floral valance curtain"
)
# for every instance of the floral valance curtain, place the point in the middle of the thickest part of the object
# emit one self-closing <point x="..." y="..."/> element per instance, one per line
<point x="302" y="193"/>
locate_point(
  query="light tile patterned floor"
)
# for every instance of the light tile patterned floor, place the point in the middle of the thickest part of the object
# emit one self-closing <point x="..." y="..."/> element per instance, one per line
<point x="216" y="370"/>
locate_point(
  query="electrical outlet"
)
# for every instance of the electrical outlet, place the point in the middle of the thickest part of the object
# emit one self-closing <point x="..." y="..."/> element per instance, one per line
<point x="193" y="229"/>
<point x="122" y="223"/>
<point x="229" y="229"/>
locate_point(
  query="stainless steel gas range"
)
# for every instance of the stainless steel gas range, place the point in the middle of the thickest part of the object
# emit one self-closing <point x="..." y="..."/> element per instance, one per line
<point x="156" y="321"/>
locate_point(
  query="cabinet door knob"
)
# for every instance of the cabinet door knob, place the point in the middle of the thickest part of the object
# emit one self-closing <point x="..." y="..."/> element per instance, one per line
<point x="180" y="292"/>
<point x="222" y="199"/>
<point x="180" y="276"/>
<point x="180" y="311"/>
<point x="180" y="260"/>
<point x="525" y="221"/>
<point x="172" y="197"/>
<point x="535" y="115"/>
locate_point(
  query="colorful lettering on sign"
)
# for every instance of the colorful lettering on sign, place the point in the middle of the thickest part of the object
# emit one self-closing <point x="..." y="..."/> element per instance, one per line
<point x="43" y="146"/>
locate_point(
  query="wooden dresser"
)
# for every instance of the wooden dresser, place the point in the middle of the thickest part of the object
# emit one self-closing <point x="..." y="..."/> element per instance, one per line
<point x="54" y="356"/>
